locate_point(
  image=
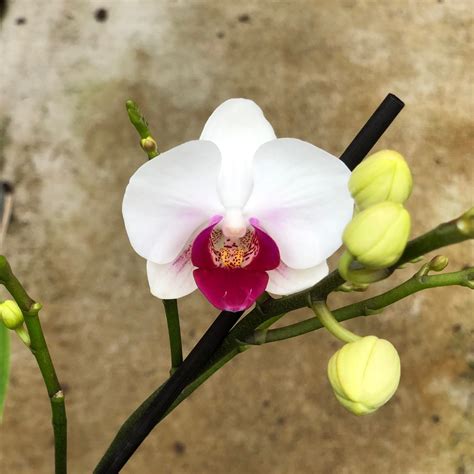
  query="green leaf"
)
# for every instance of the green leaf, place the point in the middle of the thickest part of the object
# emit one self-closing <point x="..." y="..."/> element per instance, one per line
<point x="4" y="365"/>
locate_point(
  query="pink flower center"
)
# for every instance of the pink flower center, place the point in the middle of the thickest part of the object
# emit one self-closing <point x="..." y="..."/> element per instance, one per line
<point x="232" y="272"/>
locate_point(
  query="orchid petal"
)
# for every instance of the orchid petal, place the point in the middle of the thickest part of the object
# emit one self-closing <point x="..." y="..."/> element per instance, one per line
<point x="171" y="196"/>
<point x="238" y="127"/>
<point x="231" y="290"/>
<point x="301" y="199"/>
<point x="172" y="280"/>
<point x="285" y="280"/>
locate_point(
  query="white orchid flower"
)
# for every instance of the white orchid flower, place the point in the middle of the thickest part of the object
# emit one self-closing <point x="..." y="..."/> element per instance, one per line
<point x="237" y="212"/>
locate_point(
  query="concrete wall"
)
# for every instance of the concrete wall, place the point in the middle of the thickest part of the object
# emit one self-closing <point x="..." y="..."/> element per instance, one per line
<point x="318" y="69"/>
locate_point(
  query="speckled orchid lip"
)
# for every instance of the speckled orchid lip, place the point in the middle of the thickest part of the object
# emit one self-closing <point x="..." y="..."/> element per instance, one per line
<point x="282" y="205"/>
<point x="232" y="272"/>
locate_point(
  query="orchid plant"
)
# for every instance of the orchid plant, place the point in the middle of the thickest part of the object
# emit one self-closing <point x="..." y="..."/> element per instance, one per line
<point x="249" y="220"/>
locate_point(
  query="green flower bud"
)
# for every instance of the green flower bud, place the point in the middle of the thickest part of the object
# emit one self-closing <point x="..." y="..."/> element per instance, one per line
<point x="149" y="145"/>
<point x="383" y="176"/>
<point x="11" y="314"/>
<point x="364" y="374"/>
<point x="438" y="263"/>
<point x="377" y="236"/>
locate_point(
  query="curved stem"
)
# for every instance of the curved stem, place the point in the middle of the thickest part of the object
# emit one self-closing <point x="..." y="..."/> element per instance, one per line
<point x="370" y="306"/>
<point x="327" y="319"/>
<point x="174" y="333"/>
<point x="40" y="350"/>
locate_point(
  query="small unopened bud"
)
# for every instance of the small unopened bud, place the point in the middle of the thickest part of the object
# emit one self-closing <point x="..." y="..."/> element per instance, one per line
<point x="11" y="314"/>
<point x="364" y="374"/>
<point x="377" y="236"/>
<point x="438" y="263"/>
<point x="149" y="145"/>
<point x="383" y="176"/>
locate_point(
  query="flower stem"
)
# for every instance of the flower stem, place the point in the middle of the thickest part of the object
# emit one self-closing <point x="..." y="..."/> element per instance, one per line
<point x="174" y="333"/>
<point x="370" y="306"/>
<point x="137" y="119"/>
<point x="327" y="319"/>
<point x="40" y="351"/>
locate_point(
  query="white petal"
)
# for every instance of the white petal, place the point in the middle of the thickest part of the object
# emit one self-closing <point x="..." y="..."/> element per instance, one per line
<point x="172" y="280"/>
<point x="169" y="197"/>
<point x="285" y="280"/>
<point x="301" y="199"/>
<point x="238" y="127"/>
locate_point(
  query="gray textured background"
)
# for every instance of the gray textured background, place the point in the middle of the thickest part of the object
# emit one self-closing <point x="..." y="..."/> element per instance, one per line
<point x="318" y="69"/>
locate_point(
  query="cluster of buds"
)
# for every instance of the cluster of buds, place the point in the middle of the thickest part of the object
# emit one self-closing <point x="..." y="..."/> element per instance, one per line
<point x="12" y="318"/>
<point x="365" y="372"/>
<point x="377" y="235"/>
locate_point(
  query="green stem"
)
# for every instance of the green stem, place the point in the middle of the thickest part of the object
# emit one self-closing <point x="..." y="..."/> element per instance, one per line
<point x="327" y="319"/>
<point x="174" y="333"/>
<point x="370" y="306"/>
<point x="40" y="350"/>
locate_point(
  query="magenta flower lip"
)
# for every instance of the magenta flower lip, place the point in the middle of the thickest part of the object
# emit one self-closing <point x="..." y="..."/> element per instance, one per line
<point x="232" y="273"/>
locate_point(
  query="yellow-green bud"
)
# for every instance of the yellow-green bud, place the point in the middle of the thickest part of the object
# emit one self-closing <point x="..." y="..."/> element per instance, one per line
<point x="364" y="374"/>
<point x="438" y="263"/>
<point x="383" y="176"/>
<point x="149" y="145"/>
<point x="11" y="314"/>
<point x="377" y="236"/>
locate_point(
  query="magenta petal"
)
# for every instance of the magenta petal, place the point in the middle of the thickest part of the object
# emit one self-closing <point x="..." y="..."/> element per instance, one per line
<point x="268" y="256"/>
<point x="231" y="289"/>
<point x="200" y="254"/>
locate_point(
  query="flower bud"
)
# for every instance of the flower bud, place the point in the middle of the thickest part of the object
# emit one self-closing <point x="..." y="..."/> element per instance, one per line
<point x="11" y="314"/>
<point x="383" y="176"/>
<point x="149" y="145"/>
<point x="377" y="236"/>
<point x="438" y="263"/>
<point x="364" y="374"/>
